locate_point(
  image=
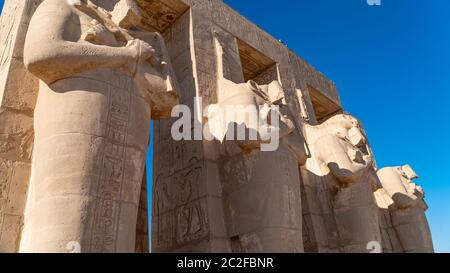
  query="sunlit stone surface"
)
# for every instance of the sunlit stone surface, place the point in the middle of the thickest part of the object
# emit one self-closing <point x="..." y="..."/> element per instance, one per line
<point x="80" y="82"/>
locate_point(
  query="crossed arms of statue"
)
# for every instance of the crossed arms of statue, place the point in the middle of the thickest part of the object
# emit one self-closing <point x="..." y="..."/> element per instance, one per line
<point x="336" y="156"/>
<point x="404" y="195"/>
<point x="53" y="49"/>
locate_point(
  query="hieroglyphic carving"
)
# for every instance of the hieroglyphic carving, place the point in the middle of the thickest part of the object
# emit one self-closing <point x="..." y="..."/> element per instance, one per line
<point x="179" y="213"/>
<point x="229" y="62"/>
<point x="186" y="220"/>
<point x="159" y="15"/>
<point x="7" y="36"/>
<point x="238" y="168"/>
<point x="253" y="62"/>
<point x="267" y="76"/>
<point x="178" y="218"/>
<point x="190" y="223"/>
<point x="124" y="73"/>
<point x="20" y="142"/>
<point x="10" y="37"/>
<point x="111" y="174"/>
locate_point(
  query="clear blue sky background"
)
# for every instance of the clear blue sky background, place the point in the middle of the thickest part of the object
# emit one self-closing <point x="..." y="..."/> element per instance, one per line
<point x="392" y="67"/>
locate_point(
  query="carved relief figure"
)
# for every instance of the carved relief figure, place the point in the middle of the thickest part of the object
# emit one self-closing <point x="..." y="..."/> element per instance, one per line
<point x="99" y="79"/>
<point x="101" y="82"/>
<point x="261" y="189"/>
<point x="405" y="204"/>
<point x="178" y="214"/>
<point x="342" y="156"/>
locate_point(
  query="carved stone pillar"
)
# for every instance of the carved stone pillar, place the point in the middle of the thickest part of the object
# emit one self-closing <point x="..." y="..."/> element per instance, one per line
<point x="341" y="181"/>
<point x="100" y="84"/>
<point x="402" y="204"/>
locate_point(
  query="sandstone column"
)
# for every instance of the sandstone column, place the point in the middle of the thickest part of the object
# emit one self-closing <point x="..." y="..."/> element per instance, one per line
<point x="99" y="86"/>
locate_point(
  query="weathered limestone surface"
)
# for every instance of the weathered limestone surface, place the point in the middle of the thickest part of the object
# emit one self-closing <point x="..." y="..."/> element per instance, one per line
<point x="207" y="44"/>
<point x="180" y="217"/>
<point x="18" y="92"/>
<point x="78" y="87"/>
<point x="339" y="184"/>
<point x="262" y="209"/>
<point x="402" y="207"/>
<point x="99" y="86"/>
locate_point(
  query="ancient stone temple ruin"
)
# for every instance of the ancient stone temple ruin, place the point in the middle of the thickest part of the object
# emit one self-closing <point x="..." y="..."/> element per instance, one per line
<point x="80" y="82"/>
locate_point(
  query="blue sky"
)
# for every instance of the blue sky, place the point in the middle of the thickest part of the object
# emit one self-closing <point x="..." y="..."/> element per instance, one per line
<point x="391" y="64"/>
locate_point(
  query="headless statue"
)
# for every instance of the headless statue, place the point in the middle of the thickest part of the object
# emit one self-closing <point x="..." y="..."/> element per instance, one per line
<point x="404" y="202"/>
<point x="101" y="83"/>
<point x="262" y="200"/>
<point x="342" y="156"/>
